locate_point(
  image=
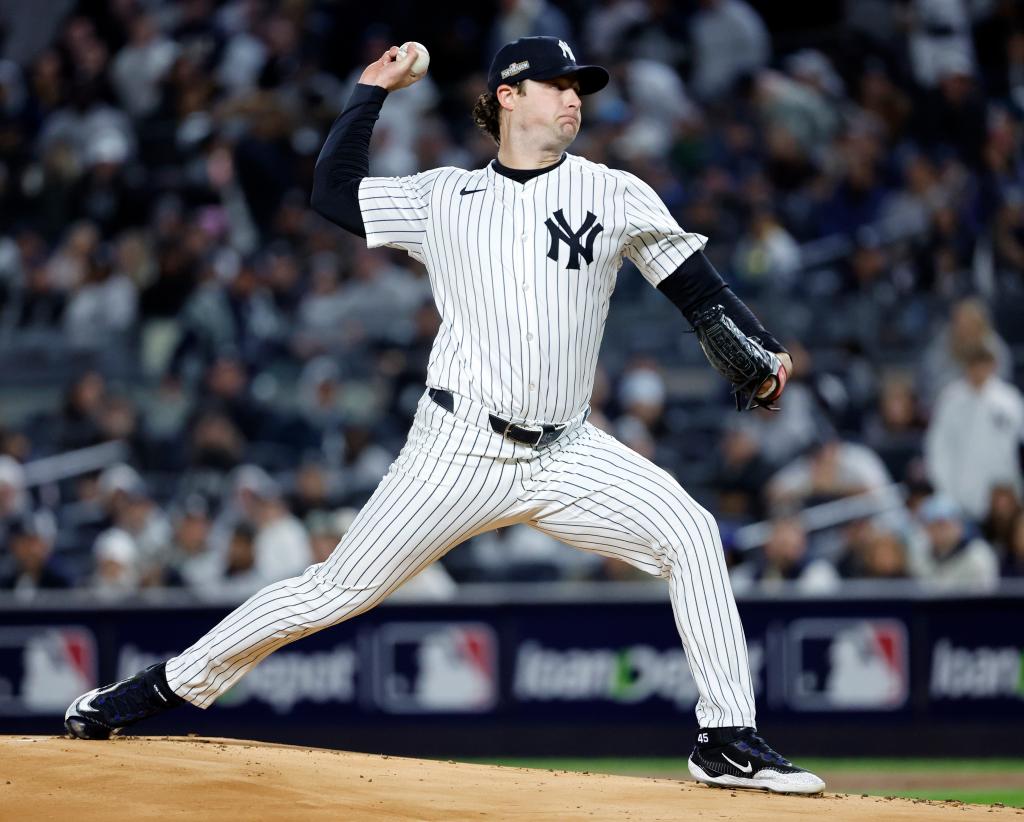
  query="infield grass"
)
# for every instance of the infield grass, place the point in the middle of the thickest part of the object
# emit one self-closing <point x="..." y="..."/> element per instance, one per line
<point x="926" y="778"/>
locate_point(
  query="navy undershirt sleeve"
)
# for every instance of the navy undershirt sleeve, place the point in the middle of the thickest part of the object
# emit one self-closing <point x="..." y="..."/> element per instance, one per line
<point x="696" y="284"/>
<point x="345" y="160"/>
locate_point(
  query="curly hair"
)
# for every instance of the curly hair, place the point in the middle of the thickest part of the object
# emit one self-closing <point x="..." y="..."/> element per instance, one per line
<point x="486" y="112"/>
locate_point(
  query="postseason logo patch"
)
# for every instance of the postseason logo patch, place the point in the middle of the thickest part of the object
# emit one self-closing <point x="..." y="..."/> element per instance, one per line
<point x="514" y="68"/>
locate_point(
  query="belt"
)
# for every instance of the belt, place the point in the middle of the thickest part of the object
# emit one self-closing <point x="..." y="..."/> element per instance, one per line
<point x="533" y="435"/>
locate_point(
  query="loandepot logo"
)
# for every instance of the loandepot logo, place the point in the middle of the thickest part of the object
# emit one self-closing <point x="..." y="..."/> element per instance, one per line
<point x="625" y="676"/>
<point x="977" y="673"/>
<point x="289" y="677"/>
<point x="281" y="681"/>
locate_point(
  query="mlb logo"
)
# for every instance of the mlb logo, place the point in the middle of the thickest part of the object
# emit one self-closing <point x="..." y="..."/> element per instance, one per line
<point x="846" y="665"/>
<point x="449" y="667"/>
<point x="44" y="667"/>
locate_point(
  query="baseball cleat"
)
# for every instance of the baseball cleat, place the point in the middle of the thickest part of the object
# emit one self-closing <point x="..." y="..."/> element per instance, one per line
<point x="739" y="758"/>
<point x="102" y="712"/>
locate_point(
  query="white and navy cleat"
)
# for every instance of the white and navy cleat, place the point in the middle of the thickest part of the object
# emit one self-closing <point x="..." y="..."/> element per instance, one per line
<point x="739" y="758"/>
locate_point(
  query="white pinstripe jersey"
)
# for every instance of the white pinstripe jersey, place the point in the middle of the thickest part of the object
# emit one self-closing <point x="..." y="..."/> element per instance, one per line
<point x="522" y="273"/>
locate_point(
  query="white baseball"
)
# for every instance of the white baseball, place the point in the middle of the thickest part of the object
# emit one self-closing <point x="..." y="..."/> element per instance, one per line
<point x="422" y="60"/>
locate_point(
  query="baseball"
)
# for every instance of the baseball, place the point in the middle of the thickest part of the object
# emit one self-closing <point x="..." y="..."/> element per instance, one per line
<point x="422" y="60"/>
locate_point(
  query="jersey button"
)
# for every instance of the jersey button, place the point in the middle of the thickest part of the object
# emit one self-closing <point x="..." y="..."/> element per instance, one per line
<point x="529" y="337"/>
<point x="526" y="286"/>
<point x="533" y="387"/>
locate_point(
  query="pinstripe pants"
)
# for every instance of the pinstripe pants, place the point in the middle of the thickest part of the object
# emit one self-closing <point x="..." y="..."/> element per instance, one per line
<point x="456" y="478"/>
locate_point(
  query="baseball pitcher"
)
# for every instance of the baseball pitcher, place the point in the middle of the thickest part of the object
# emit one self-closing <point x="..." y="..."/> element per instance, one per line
<point x="522" y="256"/>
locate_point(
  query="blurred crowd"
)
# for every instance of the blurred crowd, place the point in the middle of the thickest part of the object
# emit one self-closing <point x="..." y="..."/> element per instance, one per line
<point x="165" y="286"/>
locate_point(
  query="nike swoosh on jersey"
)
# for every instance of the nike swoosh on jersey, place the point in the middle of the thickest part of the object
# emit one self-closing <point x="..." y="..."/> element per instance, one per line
<point x="745" y="768"/>
<point x="466" y="191"/>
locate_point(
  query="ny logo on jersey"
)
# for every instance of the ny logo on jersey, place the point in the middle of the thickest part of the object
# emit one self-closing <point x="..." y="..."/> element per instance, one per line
<point x="563" y="232"/>
<point x="566" y="51"/>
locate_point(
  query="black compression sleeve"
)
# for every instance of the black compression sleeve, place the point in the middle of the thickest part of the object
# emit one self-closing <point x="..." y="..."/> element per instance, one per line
<point x="696" y="284"/>
<point x="345" y="160"/>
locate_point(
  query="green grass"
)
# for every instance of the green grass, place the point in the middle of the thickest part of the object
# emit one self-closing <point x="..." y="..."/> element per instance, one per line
<point x="914" y="765"/>
<point x="1013" y="797"/>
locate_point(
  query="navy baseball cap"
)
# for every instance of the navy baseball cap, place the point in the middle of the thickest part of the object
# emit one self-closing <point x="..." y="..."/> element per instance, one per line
<point x="542" y="58"/>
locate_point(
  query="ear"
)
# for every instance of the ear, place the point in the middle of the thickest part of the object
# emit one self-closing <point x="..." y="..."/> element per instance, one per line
<point x="506" y="95"/>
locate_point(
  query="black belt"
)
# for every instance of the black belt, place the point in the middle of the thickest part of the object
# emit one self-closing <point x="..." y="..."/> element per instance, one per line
<point x="535" y="435"/>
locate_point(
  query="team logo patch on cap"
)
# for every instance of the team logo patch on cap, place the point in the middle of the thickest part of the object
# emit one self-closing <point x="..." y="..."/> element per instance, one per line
<point x="514" y="68"/>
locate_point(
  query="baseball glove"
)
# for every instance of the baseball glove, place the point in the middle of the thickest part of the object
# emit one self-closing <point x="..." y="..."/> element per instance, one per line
<point x="757" y="375"/>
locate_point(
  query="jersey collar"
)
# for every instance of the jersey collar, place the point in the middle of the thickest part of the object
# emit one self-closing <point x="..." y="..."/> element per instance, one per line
<point x="523" y="175"/>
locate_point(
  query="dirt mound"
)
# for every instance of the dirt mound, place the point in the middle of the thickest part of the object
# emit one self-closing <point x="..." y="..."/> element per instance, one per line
<point x="194" y="778"/>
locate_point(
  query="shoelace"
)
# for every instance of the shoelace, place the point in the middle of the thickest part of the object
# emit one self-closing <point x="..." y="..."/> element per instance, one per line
<point x="755" y="746"/>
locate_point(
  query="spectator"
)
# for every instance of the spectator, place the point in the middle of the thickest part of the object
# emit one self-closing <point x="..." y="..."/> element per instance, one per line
<point x="957" y="560"/>
<point x="953" y="115"/>
<point x="30" y="539"/>
<point x="974" y="439"/>
<point x="741" y="476"/>
<point x="895" y="428"/>
<point x="191" y="562"/>
<point x="784" y="558"/>
<point x="527" y="18"/>
<point x="832" y="470"/>
<point x="14" y="501"/>
<point x="642" y="399"/>
<point x="102" y="309"/>
<point x="227" y="392"/>
<point x="134" y="513"/>
<point x="907" y="211"/>
<point x="767" y="257"/>
<point x="380" y="298"/>
<point x="729" y="40"/>
<point x="321" y="414"/>
<point x="314" y="492"/>
<point x="939" y="39"/>
<point x="875" y="551"/>
<point x="943" y="362"/>
<point x="1003" y="507"/>
<point x="1009" y="240"/>
<point x="239" y="316"/>
<point x="214" y="447"/>
<point x="140" y="66"/>
<point x="239" y="576"/>
<point x="280" y="547"/>
<point x="77" y="425"/>
<point x="319" y="328"/>
<point x="115" y="570"/>
<point x="363" y="460"/>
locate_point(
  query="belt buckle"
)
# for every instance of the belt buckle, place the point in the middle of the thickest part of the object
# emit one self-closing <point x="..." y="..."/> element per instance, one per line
<point x="538" y="429"/>
<point x="509" y="425"/>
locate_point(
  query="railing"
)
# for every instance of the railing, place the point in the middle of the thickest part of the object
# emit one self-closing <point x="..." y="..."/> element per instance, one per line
<point x="829" y="514"/>
<point x="74" y="463"/>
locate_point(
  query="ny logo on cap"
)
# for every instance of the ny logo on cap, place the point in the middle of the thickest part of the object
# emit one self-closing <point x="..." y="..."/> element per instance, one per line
<point x="565" y="234"/>
<point x="566" y="51"/>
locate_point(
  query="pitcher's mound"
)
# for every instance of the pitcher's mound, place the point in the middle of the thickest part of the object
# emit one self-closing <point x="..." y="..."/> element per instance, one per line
<point x="223" y="779"/>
